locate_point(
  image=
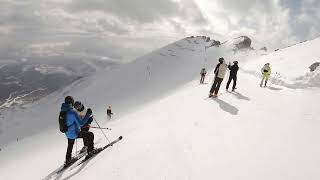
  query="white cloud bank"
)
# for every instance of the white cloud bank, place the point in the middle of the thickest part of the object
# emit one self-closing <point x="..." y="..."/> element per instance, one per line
<point x="123" y="29"/>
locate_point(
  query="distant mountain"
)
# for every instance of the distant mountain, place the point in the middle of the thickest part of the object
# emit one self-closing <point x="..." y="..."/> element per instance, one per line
<point x="27" y="80"/>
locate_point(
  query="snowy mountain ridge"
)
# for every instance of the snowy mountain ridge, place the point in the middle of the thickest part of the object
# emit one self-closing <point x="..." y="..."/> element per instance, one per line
<point x="27" y="80"/>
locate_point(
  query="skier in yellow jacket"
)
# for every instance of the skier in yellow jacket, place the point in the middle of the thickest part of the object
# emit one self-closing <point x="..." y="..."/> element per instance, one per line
<point x="266" y="71"/>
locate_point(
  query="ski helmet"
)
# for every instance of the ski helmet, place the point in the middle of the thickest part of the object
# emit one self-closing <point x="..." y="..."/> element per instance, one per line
<point x="69" y="100"/>
<point x="221" y="60"/>
<point x="235" y="62"/>
<point x="77" y="104"/>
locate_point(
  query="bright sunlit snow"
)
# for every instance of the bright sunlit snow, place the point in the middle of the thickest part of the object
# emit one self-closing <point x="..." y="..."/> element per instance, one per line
<point x="171" y="129"/>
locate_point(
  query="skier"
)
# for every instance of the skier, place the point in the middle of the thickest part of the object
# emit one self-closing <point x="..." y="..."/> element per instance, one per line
<point x="82" y="111"/>
<point x="109" y="112"/>
<point x="233" y="75"/>
<point x="219" y="72"/>
<point x="74" y="122"/>
<point x="203" y="75"/>
<point x="266" y="71"/>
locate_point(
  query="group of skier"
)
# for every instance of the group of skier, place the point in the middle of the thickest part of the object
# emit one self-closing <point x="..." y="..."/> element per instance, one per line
<point x="220" y="71"/>
<point x="77" y="119"/>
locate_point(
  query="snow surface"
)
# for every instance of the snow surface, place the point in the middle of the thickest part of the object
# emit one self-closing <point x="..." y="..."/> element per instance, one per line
<point x="292" y="64"/>
<point x="171" y="129"/>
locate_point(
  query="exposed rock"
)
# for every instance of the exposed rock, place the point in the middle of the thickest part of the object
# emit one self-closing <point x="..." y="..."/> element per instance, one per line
<point x="245" y="43"/>
<point x="314" y="66"/>
<point x="264" y="49"/>
<point x="215" y="43"/>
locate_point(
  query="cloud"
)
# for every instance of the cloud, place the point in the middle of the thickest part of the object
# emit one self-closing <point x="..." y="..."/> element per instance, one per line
<point x="124" y="30"/>
<point x="48" y="49"/>
<point x="305" y="24"/>
<point x="143" y="11"/>
<point x="113" y="28"/>
<point x="267" y="22"/>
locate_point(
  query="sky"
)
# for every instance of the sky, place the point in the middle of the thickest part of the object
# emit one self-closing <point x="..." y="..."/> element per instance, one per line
<point x="123" y="30"/>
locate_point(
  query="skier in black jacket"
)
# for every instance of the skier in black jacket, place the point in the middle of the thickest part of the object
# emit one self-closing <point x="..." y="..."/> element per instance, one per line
<point x="82" y="111"/>
<point x="109" y="112"/>
<point x="203" y="75"/>
<point x="233" y="75"/>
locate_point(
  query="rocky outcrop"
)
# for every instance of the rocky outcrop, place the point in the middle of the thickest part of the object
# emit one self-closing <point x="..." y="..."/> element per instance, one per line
<point x="243" y="43"/>
<point x="264" y="49"/>
<point x="314" y="66"/>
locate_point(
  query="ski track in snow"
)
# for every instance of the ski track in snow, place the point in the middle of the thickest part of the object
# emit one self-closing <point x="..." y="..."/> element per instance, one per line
<point x="253" y="133"/>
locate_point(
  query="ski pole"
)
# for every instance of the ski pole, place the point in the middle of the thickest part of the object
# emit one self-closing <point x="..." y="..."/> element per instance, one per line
<point x="101" y="129"/>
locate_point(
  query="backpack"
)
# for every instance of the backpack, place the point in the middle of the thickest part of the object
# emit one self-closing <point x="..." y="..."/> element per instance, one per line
<point x="62" y="121"/>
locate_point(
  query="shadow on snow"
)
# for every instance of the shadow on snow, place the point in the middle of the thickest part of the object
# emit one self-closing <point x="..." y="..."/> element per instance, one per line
<point x="226" y="106"/>
<point x="240" y="96"/>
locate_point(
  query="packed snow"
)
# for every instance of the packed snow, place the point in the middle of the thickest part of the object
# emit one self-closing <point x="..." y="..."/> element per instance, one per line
<point x="171" y="129"/>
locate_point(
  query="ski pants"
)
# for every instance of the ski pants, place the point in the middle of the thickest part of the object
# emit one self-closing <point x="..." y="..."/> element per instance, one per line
<point x="85" y="129"/>
<point x="266" y="78"/>
<point x="88" y="138"/>
<point x="202" y="78"/>
<point x="234" y="78"/>
<point x="216" y="85"/>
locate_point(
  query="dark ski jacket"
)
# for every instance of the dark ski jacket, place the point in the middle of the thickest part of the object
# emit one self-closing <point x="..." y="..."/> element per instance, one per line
<point x="233" y="70"/>
<point x="74" y="122"/>
<point x="109" y="112"/>
<point x="203" y="72"/>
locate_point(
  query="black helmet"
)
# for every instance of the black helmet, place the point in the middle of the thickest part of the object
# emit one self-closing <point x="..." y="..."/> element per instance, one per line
<point x="77" y="104"/>
<point x="235" y="62"/>
<point x="221" y="60"/>
<point x="69" y="100"/>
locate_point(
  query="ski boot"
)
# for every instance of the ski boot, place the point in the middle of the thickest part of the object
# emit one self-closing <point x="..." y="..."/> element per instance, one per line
<point x="67" y="163"/>
<point x="84" y="149"/>
<point x="91" y="153"/>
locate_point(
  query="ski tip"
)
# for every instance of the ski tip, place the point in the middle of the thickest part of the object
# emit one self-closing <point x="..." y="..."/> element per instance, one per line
<point x="120" y="137"/>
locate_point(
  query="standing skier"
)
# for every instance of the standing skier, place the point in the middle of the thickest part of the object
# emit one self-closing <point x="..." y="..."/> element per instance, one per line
<point x="203" y="75"/>
<point x="109" y="112"/>
<point x="266" y="71"/>
<point x="73" y="123"/>
<point x="219" y="72"/>
<point x="233" y="75"/>
<point x="82" y="111"/>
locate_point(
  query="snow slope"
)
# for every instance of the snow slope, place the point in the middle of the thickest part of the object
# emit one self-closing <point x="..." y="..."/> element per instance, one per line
<point x="292" y="64"/>
<point x="125" y="88"/>
<point x="182" y="134"/>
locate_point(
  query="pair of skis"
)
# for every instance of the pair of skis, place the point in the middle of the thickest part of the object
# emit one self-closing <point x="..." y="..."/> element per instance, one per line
<point x="78" y="157"/>
<point x="98" y="150"/>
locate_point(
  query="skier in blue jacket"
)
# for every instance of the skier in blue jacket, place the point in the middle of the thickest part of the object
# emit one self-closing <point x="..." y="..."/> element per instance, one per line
<point x="74" y="123"/>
